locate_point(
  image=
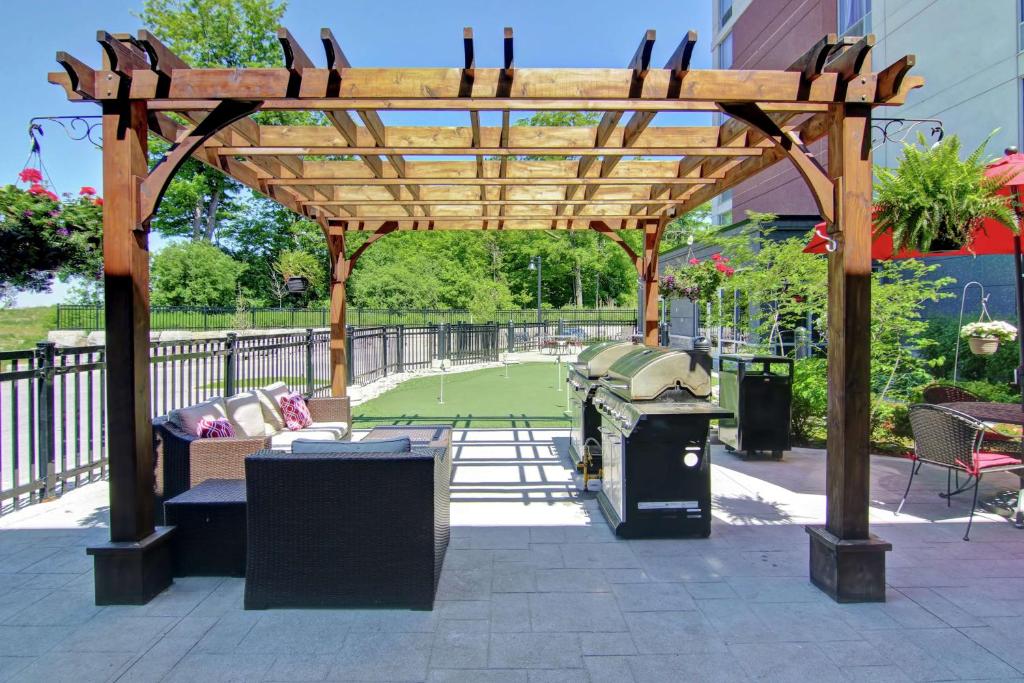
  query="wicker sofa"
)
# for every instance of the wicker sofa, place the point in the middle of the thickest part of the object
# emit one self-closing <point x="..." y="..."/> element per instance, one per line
<point x="183" y="459"/>
<point x="352" y="530"/>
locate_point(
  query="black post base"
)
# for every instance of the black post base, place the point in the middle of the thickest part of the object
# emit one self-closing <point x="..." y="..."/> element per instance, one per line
<point x="130" y="573"/>
<point x="848" y="570"/>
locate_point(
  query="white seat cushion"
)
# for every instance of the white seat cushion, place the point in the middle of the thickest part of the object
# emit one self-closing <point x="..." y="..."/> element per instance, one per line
<point x="270" y="402"/>
<point x="341" y="427"/>
<point x="246" y="415"/>
<point x="283" y="440"/>
<point x="187" y="419"/>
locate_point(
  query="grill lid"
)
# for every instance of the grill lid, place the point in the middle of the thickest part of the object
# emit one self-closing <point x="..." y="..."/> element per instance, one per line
<point x="595" y="360"/>
<point x="647" y="374"/>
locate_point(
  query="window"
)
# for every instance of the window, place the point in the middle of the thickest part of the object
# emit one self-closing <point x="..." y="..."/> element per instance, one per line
<point x="725" y="52"/>
<point x="854" y="17"/>
<point x="724" y="12"/>
<point x="1020" y="27"/>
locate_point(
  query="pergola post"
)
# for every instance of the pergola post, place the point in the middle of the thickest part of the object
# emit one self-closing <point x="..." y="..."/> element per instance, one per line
<point x="649" y="280"/>
<point x="135" y="565"/>
<point x="846" y="560"/>
<point x="339" y="353"/>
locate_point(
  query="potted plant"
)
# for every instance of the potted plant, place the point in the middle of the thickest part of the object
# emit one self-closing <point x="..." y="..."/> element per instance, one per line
<point x="933" y="200"/>
<point x="985" y="336"/>
<point x="698" y="280"/>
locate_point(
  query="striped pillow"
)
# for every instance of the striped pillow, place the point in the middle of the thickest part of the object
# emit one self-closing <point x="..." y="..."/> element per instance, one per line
<point x="295" y="411"/>
<point x="213" y="428"/>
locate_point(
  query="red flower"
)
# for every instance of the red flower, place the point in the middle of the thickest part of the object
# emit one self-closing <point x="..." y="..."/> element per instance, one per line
<point x="694" y="261"/>
<point x="87" y="191"/>
<point x="716" y="257"/>
<point x="725" y="260"/>
<point x="98" y="201"/>
<point x="30" y="175"/>
<point x="52" y="195"/>
<point x="729" y="272"/>
<point x="720" y="267"/>
<point x="37" y="189"/>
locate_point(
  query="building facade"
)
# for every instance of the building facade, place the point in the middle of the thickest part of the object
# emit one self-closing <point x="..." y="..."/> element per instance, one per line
<point x="969" y="52"/>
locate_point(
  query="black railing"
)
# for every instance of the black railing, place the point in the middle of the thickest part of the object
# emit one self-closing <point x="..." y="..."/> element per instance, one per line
<point x="89" y="317"/>
<point x="53" y="399"/>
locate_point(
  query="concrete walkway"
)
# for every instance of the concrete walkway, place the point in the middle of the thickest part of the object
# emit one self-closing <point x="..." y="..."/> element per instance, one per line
<point x="536" y="588"/>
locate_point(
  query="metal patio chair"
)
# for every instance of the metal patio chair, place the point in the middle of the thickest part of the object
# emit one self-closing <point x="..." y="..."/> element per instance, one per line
<point x="955" y="441"/>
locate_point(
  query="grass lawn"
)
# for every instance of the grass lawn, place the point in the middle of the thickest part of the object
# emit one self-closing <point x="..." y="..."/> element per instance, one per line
<point x="481" y="398"/>
<point x="21" y="328"/>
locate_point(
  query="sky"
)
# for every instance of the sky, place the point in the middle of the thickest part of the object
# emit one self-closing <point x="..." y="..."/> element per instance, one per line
<point x="384" y="33"/>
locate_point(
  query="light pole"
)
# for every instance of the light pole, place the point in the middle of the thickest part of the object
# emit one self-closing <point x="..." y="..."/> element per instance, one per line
<point x="535" y="264"/>
<point x="597" y="289"/>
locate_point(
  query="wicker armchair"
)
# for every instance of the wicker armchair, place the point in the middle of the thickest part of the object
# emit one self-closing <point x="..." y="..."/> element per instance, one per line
<point x="953" y="440"/>
<point x="354" y="530"/>
<point x="183" y="460"/>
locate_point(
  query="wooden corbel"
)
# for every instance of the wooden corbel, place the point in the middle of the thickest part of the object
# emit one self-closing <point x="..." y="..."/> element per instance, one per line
<point x="155" y="184"/>
<point x="806" y="164"/>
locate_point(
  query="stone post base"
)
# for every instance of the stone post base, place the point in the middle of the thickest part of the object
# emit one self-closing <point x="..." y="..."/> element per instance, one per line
<point x="133" y="573"/>
<point x="848" y="570"/>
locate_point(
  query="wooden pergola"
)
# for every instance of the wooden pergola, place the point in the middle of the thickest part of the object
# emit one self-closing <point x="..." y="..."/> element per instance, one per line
<point x="622" y="174"/>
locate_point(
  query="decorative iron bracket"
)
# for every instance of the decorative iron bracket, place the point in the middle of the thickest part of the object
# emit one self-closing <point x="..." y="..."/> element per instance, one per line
<point x="897" y="130"/>
<point x="75" y="127"/>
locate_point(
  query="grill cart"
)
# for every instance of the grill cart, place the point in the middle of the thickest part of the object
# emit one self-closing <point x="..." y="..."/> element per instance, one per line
<point x="759" y="392"/>
<point x="585" y="441"/>
<point x="655" y="412"/>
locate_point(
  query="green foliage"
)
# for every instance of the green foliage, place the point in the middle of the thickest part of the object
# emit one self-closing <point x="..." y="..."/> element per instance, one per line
<point x="810" y="399"/>
<point x="218" y="33"/>
<point x="698" y="280"/>
<point x="933" y="195"/>
<point x="995" y="369"/>
<point x="194" y="274"/>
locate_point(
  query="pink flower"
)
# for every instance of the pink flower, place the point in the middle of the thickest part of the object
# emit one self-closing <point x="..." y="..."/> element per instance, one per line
<point x="729" y="272"/>
<point x="694" y="261"/>
<point x="725" y="260"/>
<point x="87" y="191"/>
<point x="30" y="175"/>
<point x="716" y="257"/>
<point x="36" y="189"/>
<point x="721" y="267"/>
<point x="98" y="201"/>
<point x="53" y="196"/>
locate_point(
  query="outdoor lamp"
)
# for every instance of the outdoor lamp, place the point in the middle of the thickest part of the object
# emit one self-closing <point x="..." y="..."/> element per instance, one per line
<point x="296" y="285"/>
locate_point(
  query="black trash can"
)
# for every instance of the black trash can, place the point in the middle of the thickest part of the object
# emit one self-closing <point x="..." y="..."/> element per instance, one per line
<point x="759" y="392"/>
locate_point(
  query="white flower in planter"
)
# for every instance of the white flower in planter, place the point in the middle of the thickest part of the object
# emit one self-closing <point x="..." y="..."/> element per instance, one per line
<point x="990" y="329"/>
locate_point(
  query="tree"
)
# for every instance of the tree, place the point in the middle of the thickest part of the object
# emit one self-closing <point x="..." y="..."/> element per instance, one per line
<point x="194" y="274"/>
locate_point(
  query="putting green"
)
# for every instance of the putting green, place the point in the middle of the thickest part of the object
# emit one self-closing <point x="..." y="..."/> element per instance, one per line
<point x="529" y="397"/>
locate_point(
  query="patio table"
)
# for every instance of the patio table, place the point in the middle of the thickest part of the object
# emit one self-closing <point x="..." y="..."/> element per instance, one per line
<point x="999" y="413"/>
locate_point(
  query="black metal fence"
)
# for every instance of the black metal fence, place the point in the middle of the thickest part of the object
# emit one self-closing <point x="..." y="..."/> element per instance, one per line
<point x="88" y="317"/>
<point x="53" y="399"/>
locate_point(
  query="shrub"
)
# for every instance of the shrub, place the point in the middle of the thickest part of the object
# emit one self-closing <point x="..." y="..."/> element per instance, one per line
<point x="810" y="399"/>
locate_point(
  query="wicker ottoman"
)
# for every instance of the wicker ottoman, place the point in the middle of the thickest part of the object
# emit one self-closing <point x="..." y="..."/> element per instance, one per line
<point x="210" y="535"/>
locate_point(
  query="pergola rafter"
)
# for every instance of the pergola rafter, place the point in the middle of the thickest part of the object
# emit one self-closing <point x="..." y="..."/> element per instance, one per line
<point x="477" y="177"/>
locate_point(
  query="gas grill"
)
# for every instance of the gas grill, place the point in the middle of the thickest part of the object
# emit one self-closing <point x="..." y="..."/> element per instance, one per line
<point x="590" y="365"/>
<point x="655" y="407"/>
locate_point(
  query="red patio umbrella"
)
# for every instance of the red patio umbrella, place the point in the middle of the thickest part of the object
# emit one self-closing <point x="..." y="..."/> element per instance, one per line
<point x="991" y="237"/>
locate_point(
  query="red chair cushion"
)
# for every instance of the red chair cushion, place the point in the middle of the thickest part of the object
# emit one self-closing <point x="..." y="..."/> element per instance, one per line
<point x="986" y="459"/>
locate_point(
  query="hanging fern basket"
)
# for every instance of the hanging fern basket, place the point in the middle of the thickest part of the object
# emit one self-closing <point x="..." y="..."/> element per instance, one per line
<point x="983" y="346"/>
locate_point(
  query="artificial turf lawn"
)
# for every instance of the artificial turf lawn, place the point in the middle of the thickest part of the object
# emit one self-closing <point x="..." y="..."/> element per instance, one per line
<point x="481" y="398"/>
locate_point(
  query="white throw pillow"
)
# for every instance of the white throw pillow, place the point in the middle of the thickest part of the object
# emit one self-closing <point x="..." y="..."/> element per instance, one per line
<point x="187" y="419"/>
<point x="270" y="402"/>
<point x="246" y="415"/>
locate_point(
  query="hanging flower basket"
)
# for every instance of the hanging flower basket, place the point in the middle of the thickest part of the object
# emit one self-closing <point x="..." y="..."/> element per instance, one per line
<point x="984" y="336"/>
<point x="698" y="280"/>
